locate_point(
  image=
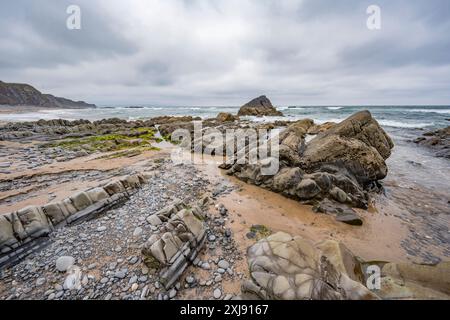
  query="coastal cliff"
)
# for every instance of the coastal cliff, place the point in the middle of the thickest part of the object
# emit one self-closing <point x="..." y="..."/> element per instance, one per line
<point x="17" y="94"/>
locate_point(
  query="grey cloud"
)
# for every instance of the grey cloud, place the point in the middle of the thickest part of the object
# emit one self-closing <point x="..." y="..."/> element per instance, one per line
<point x="224" y="52"/>
<point x="43" y="41"/>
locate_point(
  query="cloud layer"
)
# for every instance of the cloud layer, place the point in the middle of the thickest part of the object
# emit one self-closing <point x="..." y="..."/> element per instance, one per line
<point x="211" y="52"/>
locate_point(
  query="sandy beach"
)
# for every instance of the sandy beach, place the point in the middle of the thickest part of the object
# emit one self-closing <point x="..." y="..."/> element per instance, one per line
<point x="47" y="166"/>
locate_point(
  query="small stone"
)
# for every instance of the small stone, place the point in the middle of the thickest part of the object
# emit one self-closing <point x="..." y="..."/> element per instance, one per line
<point x="223" y="264"/>
<point x="133" y="260"/>
<point x="40" y="282"/>
<point x="251" y="235"/>
<point x="133" y="280"/>
<point x="172" y="293"/>
<point x="120" y="274"/>
<point x="190" y="279"/>
<point x="206" y="266"/>
<point x="92" y="266"/>
<point x="349" y="218"/>
<point x="134" y="287"/>
<point x="104" y="280"/>
<point x="64" y="263"/>
<point x="137" y="232"/>
<point x="101" y="229"/>
<point x="217" y="294"/>
<point x="211" y="238"/>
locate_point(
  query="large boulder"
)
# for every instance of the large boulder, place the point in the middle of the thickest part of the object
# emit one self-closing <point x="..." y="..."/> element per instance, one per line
<point x="33" y="223"/>
<point x="259" y="107"/>
<point x="358" y="144"/>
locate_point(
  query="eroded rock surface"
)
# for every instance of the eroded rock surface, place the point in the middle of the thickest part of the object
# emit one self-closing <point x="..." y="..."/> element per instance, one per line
<point x="284" y="267"/>
<point x="181" y="239"/>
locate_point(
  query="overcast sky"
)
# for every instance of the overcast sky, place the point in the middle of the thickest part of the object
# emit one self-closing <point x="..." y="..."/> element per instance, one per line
<point x="310" y="52"/>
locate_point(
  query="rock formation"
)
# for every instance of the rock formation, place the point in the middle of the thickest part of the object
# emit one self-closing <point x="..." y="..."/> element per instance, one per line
<point x="339" y="164"/>
<point x="21" y="231"/>
<point x="183" y="236"/>
<point x="259" y="107"/>
<point x="283" y="267"/>
<point x="226" y="117"/>
<point x="438" y="140"/>
<point x="16" y="94"/>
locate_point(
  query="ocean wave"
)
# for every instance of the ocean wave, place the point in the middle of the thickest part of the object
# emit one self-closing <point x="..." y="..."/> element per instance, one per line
<point x="399" y="124"/>
<point x="441" y="111"/>
<point x="335" y="108"/>
<point x="296" y="108"/>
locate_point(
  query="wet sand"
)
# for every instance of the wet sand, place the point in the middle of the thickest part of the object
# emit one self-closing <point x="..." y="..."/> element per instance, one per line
<point x="379" y="238"/>
<point x="53" y="182"/>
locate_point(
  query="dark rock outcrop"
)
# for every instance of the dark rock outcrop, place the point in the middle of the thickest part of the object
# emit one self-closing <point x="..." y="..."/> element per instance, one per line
<point x="16" y="94"/>
<point x="259" y="107"/>
<point x="226" y="117"/>
<point x="438" y="140"/>
<point x="340" y="164"/>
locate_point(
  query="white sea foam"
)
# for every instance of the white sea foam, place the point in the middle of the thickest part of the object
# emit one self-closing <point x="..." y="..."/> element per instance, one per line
<point x="398" y="124"/>
<point x="334" y="108"/>
<point x="441" y="111"/>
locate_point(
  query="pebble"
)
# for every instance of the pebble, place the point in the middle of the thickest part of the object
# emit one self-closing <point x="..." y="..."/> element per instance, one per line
<point x="223" y="264"/>
<point x="104" y="280"/>
<point x="217" y="294"/>
<point x="206" y="266"/>
<point x="133" y="280"/>
<point x="40" y="282"/>
<point x="172" y="293"/>
<point x="120" y="274"/>
<point x="101" y="229"/>
<point x="64" y="263"/>
<point x="134" y="287"/>
<point x="133" y="260"/>
<point x="137" y="232"/>
<point x="190" y="279"/>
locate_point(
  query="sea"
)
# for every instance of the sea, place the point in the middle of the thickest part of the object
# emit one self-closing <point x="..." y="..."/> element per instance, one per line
<point x="418" y="117"/>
